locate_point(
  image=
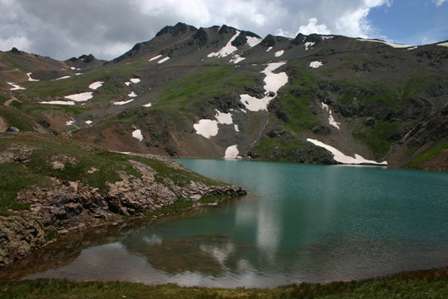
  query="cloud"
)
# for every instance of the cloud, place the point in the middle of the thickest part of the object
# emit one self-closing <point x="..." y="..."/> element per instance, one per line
<point x="438" y="2"/>
<point x="106" y="28"/>
<point x="314" y="27"/>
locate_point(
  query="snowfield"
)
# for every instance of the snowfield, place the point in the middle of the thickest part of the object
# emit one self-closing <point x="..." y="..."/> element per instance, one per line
<point x="252" y="41"/>
<point x="227" y="49"/>
<point x="279" y="53"/>
<point x="224" y="118"/>
<point x="272" y="83"/>
<point x="137" y="134"/>
<point x="236" y="59"/>
<point x="316" y="64"/>
<point x="232" y="153"/>
<point x="206" y="128"/>
<point x="63" y="103"/>
<point x="63" y="78"/>
<point x="155" y="58"/>
<point x="30" y="78"/>
<point x="163" y="60"/>
<point x="15" y="86"/>
<point x="309" y="45"/>
<point x="120" y="103"/>
<point x="340" y="157"/>
<point x="331" y="121"/>
<point x="95" y="85"/>
<point x="80" y="97"/>
<point x="443" y="44"/>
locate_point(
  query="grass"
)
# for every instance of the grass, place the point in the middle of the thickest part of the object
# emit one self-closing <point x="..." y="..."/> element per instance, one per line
<point x="13" y="178"/>
<point x="379" y="137"/>
<point x="428" y="155"/>
<point x="79" y="159"/>
<point x="295" y="100"/>
<point x="202" y="85"/>
<point x="16" y="118"/>
<point x="423" y="284"/>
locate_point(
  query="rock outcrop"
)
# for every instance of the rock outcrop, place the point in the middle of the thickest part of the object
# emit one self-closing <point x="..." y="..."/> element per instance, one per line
<point x="63" y="206"/>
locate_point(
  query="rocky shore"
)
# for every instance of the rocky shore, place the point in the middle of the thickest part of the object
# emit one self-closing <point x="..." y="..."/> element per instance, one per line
<point x="62" y="206"/>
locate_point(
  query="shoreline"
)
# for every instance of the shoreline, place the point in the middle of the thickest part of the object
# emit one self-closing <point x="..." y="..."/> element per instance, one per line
<point x="431" y="283"/>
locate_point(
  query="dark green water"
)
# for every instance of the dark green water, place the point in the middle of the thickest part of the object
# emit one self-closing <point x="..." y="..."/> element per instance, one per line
<point x="298" y="223"/>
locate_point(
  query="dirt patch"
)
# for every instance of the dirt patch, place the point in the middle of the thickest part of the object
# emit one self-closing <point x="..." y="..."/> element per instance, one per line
<point x="3" y="125"/>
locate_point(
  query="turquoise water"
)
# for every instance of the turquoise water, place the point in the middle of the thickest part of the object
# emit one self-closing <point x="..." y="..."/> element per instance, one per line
<point x="298" y="223"/>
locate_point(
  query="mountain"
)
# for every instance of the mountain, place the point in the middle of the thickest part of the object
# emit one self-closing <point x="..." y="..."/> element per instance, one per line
<point x="223" y="92"/>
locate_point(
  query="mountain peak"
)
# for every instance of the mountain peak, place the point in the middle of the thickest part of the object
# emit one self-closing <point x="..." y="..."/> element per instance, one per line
<point x="179" y="28"/>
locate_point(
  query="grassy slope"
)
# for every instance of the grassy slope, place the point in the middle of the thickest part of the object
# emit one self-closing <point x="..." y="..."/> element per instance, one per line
<point x="37" y="171"/>
<point x="293" y="101"/>
<point x="425" y="284"/>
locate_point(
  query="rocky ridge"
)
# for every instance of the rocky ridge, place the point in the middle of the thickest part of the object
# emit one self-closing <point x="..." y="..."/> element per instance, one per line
<point x="62" y="206"/>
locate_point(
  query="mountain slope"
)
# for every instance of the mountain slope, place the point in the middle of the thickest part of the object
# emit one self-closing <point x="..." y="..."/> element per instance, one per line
<point x="222" y="92"/>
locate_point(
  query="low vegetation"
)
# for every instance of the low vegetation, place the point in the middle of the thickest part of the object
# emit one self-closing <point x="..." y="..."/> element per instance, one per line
<point x="39" y="157"/>
<point x="424" y="284"/>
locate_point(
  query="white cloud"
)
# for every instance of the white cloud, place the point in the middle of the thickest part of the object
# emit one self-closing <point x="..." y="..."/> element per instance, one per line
<point x="314" y="27"/>
<point x="106" y="28"/>
<point x="439" y="2"/>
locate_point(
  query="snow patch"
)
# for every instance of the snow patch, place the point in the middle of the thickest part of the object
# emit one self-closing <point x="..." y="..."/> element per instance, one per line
<point x="253" y="41"/>
<point x="309" y="45"/>
<point x="31" y="79"/>
<point x="326" y="37"/>
<point x="120" y="103"/>
<point x="224" y="118"/>
<point x="64" y="103"/>
<point x="80" y="97"/>
<point x="137" y="134"/>
<point x="269" y="49"/>
<point x="340" y="157"/>
<point x="127" y="83"/>
<point x="316" y="64"/>
<point x="236" y="59"/>
<point x="279" y="53"/>
<point x="206" y="128"/>
<point x="63" y="78"/>
<point x="135" y="80"/>
<point x="70" y="122"/>
<point x="147" y="105"/>
<point x="95" y="85"/>
<point x="237" y="129"/>
<point x="163" y="60"/>
<point x="89" y="122"/>
<point x="443" y="44"/>
<point x="232" y="153"/>
<point x="227" y="49"/>
<point x="132" y="94"/>
<point x="15" y="86"/>
<point x="155" y="58"/>
<point x="331" y="121"/>
<point x="272" y="83"/>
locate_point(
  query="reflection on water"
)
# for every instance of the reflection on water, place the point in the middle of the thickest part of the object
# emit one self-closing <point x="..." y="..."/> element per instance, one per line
<point x="298" y="223"/>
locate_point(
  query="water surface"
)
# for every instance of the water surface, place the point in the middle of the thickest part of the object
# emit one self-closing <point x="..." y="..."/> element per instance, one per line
<point x="298" y="223"/>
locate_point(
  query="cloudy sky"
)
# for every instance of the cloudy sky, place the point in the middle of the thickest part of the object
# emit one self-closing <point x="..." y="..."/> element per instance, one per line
<point x="107" y="28"/>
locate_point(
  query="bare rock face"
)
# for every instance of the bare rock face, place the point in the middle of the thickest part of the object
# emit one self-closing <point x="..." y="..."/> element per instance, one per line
<point x="66" y="206"/>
